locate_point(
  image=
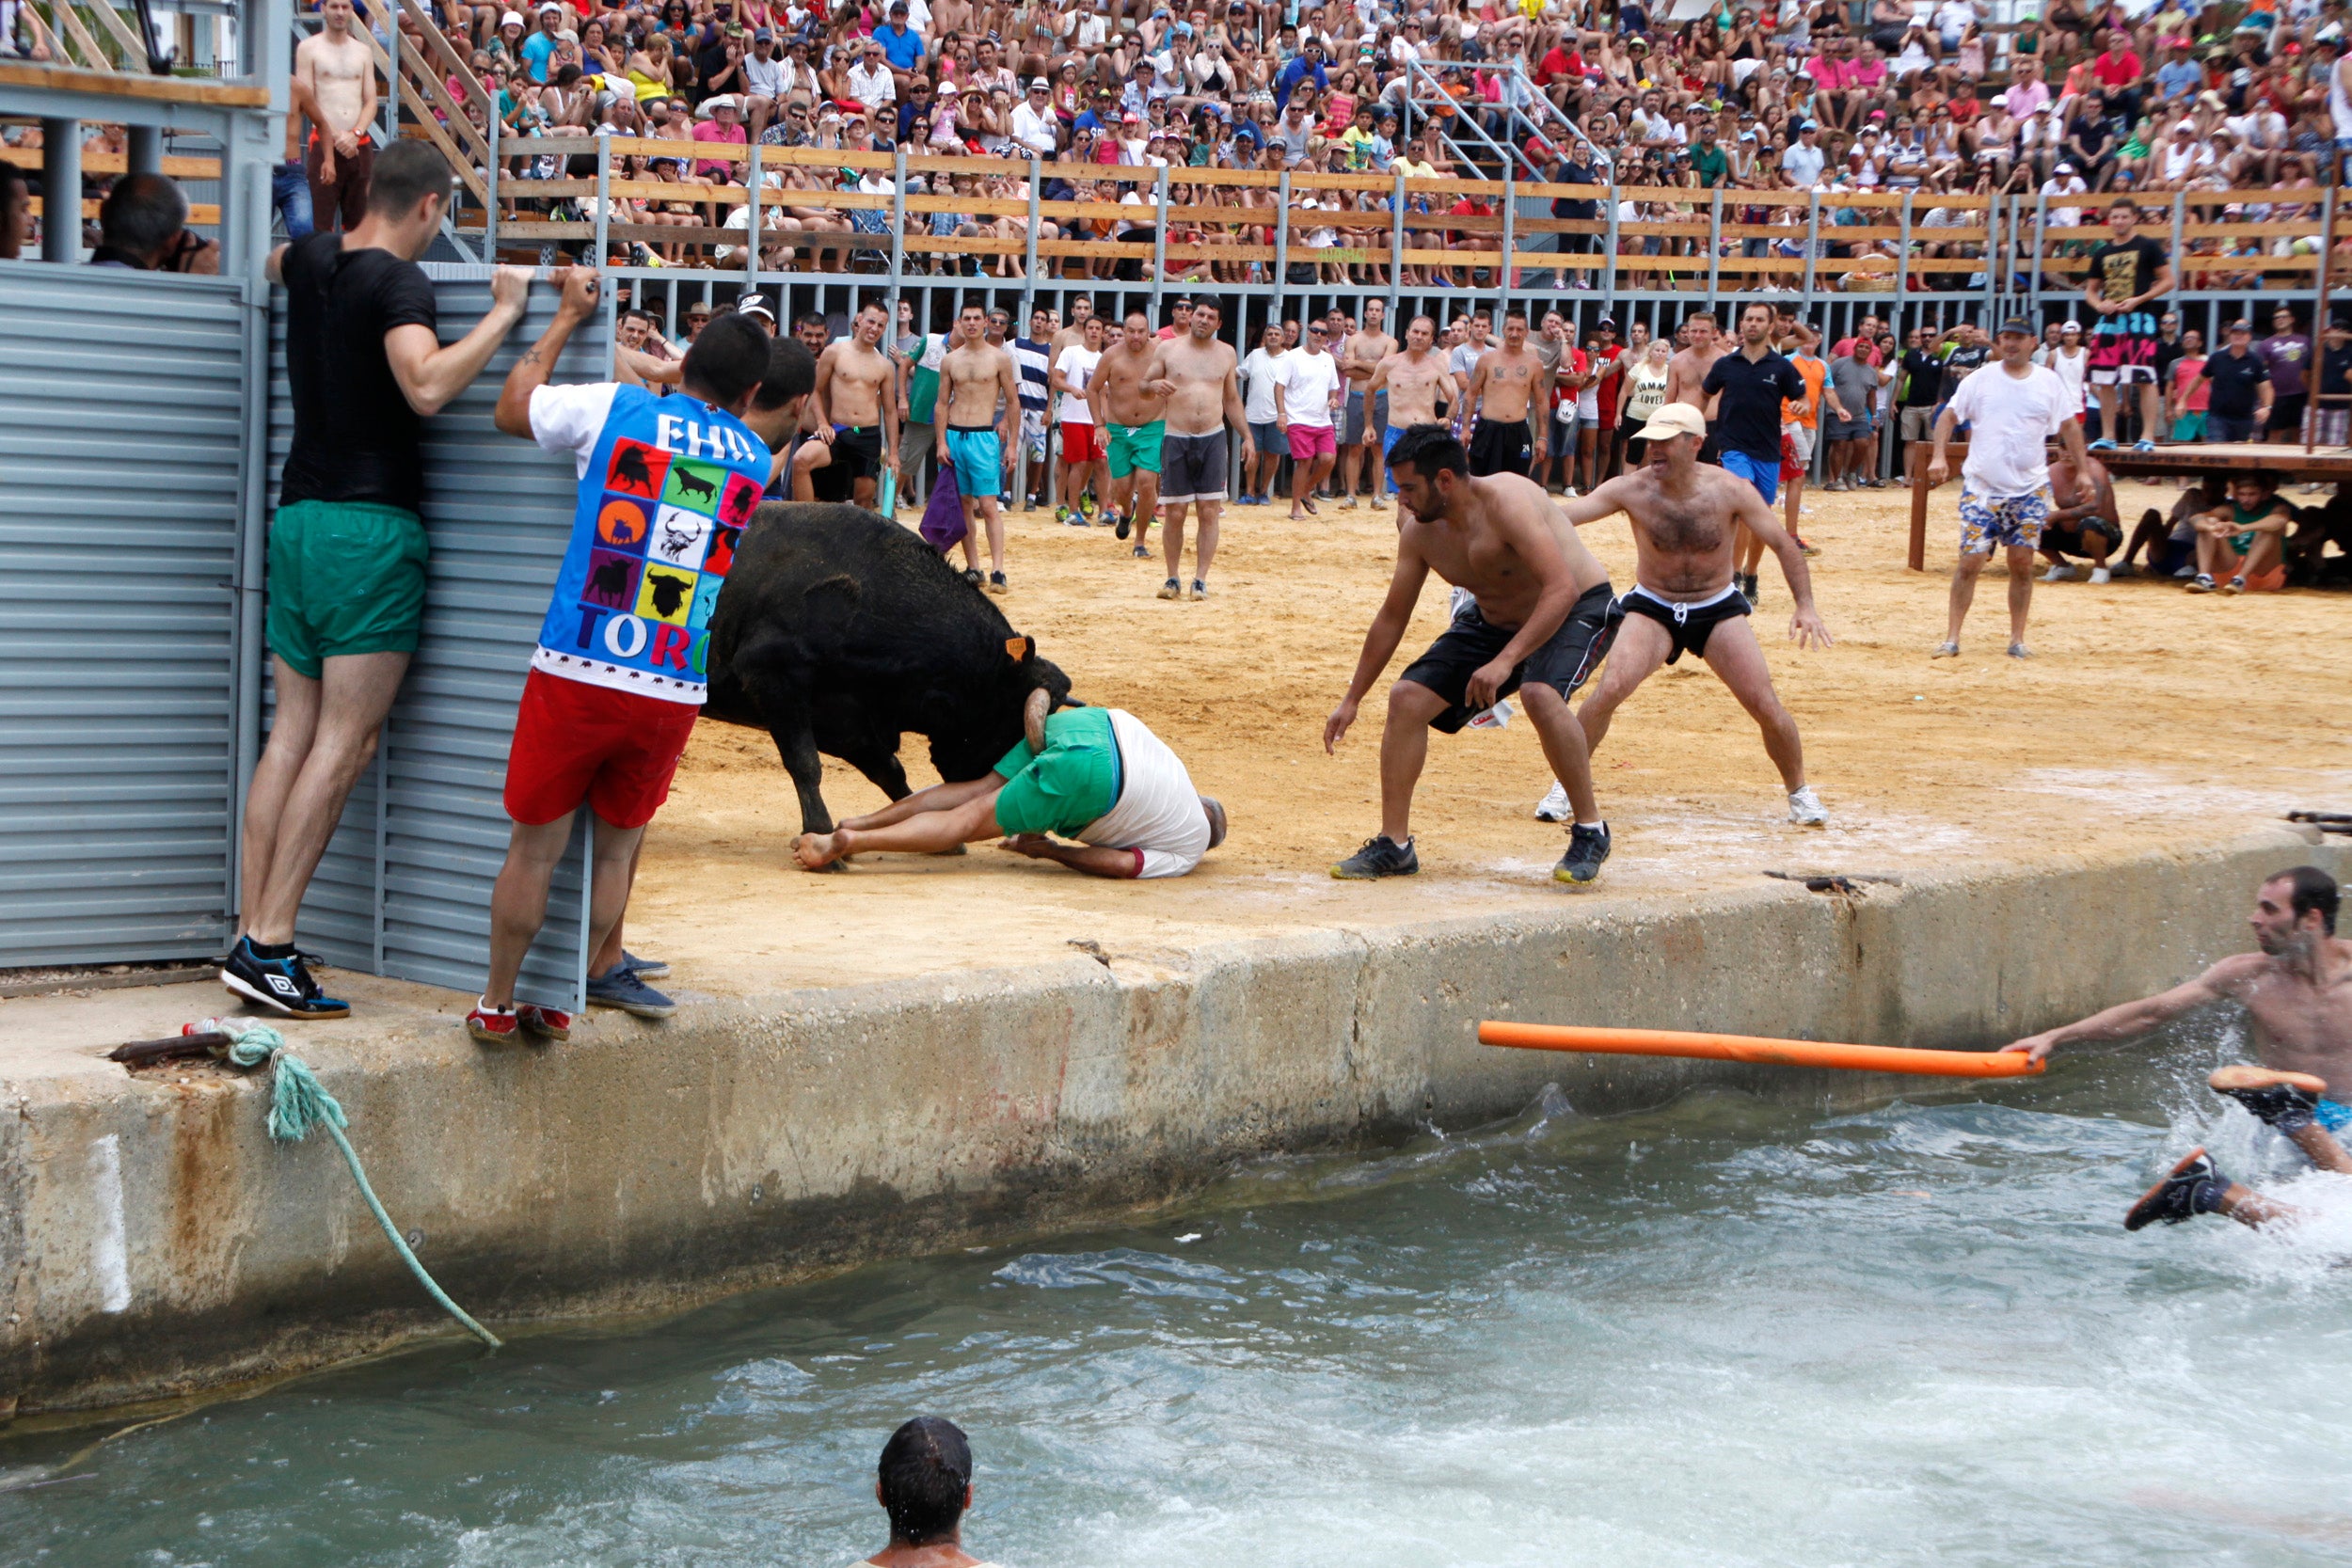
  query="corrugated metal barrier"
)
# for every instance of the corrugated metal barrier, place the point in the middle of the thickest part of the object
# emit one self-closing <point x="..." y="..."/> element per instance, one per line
<point x="123" y="441"/>
<point x="405" y="887"/>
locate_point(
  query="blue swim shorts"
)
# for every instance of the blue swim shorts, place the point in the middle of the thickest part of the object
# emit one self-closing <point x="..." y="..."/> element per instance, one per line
<point x="979" y="459"/>
<point x="2334" y="1115"/>
<point x="1764" y="474"/>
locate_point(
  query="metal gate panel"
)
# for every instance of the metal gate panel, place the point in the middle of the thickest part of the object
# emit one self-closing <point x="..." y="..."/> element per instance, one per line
<point x="121" y="454"/>
<point x="405" y="887"/>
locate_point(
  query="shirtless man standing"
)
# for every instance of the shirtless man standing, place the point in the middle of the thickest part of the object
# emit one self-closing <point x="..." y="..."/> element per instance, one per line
<point x="1538" y="625"/>
<point x="1207" y="398"/>
<point x="1500" y="389"/>
<point x="1684" y="600"/>
<point x="1362" y="434"/>
<point x="1411" y="381"/>
<point x="1130" y="397"/>
<point x="2297" y="992"/>
<point x="335" y="69"/>
<point x="975" y="380"/>
<point x="857" y="404"/>
<point x="1687" y="371"/>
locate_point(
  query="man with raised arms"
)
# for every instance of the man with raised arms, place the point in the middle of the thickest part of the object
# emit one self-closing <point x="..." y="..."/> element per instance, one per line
<point x="1411" y="380"/>
<point x="2297" y="995"/>
<point x="336" y="72"/>
<point x="1130" y="396"/>
<point x="1500" y="387"/>
<point x="1683" y="600"/>
<point x="1206" y="399"/>
<point x="857" y="422"/>
<point x="980" y="388"/>
<point x="1363" y="436"/>
<point x="1537" y="625"/>
<point x="1686" y="373"/>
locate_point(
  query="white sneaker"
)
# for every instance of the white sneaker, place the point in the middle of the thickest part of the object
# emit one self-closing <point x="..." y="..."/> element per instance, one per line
<point x="1554" y="806"/>
<point x="2100" y="576"/>
<point x="1568" y="493"/>
<point x="1805" y="809"/>
<point x="2058" y="574"/>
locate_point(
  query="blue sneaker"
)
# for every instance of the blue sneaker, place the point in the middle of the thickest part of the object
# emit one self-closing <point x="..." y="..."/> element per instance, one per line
<point x="2101" y="444"/>
<point x="619" y="986"/>
<point x="281" y="984"/>
<point x="2143" y="444"/>
<point x="645" y="969"/>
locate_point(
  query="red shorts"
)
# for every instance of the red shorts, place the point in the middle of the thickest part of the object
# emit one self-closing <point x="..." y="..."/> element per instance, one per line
<point x="575" y="742"/>
<point x="1082" y="443"/>
<point x="1310" y="441"/>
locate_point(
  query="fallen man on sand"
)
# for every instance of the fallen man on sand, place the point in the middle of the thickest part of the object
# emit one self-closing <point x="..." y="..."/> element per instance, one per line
<point x="2297" y="991"/>
<point x="1095" y="775"/>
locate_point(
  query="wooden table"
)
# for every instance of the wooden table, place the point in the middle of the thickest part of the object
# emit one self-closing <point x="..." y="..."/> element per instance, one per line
<point x="2282" y="461"/>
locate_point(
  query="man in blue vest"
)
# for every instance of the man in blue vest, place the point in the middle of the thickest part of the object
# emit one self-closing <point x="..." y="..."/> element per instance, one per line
<point x="667" y="487"/>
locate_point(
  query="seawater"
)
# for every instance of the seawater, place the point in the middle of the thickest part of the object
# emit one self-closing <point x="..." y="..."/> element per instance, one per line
<point x="1727" y="1331"/>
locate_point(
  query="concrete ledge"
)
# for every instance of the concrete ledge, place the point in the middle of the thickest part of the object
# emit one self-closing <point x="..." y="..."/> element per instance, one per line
<point x="154" y="1241"/>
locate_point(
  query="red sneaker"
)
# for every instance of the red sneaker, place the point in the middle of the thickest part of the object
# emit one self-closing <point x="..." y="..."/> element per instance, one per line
<point x="492" y="1027"/>
<point x="549" y="1023"/>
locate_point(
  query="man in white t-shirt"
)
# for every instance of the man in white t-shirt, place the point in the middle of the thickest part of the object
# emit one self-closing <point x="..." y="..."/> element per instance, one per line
<point x="1259" y="373"/>
<point x="1082" y="450"/>
<point x="1093" y="774"/>
<point x="2012" y="409"/>
<point x="1305" y="395"/>
<point x="2069" y="360"/>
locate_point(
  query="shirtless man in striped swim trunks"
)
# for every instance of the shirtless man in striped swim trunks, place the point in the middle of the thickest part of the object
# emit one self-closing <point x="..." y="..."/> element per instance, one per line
<point x="2297" y="995"/>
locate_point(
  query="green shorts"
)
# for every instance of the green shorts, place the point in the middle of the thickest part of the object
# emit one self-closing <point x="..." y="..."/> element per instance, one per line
<point x="1066" y="785"/>
<point x="1135" y="446"/>
<point x="345" y="577"/>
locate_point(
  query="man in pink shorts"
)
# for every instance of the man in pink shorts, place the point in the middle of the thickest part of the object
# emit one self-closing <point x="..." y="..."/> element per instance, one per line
<point x="1307" y="390"/>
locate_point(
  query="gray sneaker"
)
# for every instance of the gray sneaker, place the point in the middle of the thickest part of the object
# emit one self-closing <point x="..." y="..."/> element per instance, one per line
<point x="1382" y="856"/>
<point x="645" y="969"/>
<point x="619" y="986"/>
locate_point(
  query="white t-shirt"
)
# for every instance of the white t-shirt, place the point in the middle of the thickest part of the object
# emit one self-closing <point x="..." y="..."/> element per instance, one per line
<point x="1158" y="811"/>
<point x="1258" y="374"/>
<point x="1802" y="164"/>
<point x="2010" y="421"/>
<point x="571" y="418"/>
<point x="2069" y="371"/>
<point x="1307" y="382"/>
<point x="1076" y="365"/>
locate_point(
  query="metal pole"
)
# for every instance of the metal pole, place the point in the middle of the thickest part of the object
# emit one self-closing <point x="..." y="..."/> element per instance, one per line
<point x="1902" y="265"/>
<point x="1812" y="244"/>
<point x="2041" y="244"/>
<point x="1029" y="262"/>
<point x="1714" y="241"/>
<point x="1608" y="285"/>
<point x="391" y="77"/>
<point x="1159" y="244"/>
<point x="750" y="227"/>
<point x="2319" y="302"/>
<point x="1506" y="277"/>
<point x="1397" y="250"/>
<point x="604" y="224"/>
<point x="1282" y="241"/>
<point x="144" y="150"/>
<point x="61" y="190"/>
<point x="490" y="186"/>
<point x="1992" y="275"/>
<point x="898" y="234"/>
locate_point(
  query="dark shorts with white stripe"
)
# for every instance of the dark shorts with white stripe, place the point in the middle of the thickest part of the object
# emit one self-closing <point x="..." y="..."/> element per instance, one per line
<point x="1469" y="644"/>
<point x="1192" y="467"/>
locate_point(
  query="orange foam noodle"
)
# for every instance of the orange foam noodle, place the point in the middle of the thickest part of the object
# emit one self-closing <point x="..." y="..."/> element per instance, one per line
<point x="1768" y="1053"/>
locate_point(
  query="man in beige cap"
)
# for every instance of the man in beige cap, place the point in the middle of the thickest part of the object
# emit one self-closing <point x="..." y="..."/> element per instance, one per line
<point x="1684" y="600"/>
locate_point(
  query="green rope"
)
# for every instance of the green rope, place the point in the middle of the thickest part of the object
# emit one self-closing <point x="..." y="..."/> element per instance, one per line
<point x="298" y="1101"/>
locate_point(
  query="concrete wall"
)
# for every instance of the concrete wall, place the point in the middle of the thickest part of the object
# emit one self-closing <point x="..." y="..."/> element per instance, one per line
<point x="748" y="1142"/>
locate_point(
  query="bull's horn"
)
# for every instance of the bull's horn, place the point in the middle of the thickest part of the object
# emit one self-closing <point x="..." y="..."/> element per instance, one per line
<point x="1033" y="718"/>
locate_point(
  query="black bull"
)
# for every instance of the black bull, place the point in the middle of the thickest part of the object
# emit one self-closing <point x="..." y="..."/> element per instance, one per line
<point x="839" y="630"/>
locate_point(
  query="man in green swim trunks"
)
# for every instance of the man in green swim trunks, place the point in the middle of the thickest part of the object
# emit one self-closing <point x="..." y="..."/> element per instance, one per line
<point x="2244" y="539"/>
<point x="1129" y="394"/>
<point x="346" y="549"/>
<point x="1101" y="778"/>
<point x="2298" y="993"/>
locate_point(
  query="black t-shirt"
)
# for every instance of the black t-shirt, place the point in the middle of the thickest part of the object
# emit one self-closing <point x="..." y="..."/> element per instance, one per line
<point x="1574" y="173"/>
<point x="1957" y="365"/>
<point x="1747" y="420"/>
<point x="1923" y="377"/>
<point x="2235" y="377"/>
<point x="2335" y="368"/>
<point x="2167" y="355"/>
<point x="2128" y="270"/>
<point x="355" y="436"/>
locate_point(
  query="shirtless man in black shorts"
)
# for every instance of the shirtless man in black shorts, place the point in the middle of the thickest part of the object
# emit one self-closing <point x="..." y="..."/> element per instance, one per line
<point x="1539" y="627"/>
<point x="2084" y="523"/>
<point x="1684" y="600"/>
<point x="857" y="396"/>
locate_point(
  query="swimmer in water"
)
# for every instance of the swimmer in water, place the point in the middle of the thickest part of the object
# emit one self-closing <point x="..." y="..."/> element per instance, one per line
<point x="2298" y="993"/>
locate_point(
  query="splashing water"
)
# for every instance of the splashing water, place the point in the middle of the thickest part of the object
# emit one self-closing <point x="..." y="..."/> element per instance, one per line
<point x="1727" y="1332"/>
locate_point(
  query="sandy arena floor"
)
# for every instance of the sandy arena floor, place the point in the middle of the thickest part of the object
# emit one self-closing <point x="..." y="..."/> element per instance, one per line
<point x="2152" y="718"/>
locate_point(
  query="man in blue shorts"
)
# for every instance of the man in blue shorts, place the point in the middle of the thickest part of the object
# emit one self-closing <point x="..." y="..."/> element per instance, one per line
<point x="980" y="399"/>
<point x="2297" y="995"/>
<point x="1750" y="384"/>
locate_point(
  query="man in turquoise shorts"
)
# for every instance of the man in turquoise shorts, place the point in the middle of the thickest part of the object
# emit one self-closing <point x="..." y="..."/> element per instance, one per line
<point x="1129" y="393"/>
<point x="1100" y="778"/>
<point x="346" y="549"/>
<point x="979" y="396"/>
<point x="2297" y="995"/>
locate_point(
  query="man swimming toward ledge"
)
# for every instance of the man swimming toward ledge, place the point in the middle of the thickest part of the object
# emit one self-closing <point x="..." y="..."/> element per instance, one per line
<point x="1101" y="778"/>
<point x="2297" y="991"/>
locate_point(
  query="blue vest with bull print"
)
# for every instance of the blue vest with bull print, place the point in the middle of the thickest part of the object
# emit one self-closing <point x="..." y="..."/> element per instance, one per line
<point x="668" y="490"/>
